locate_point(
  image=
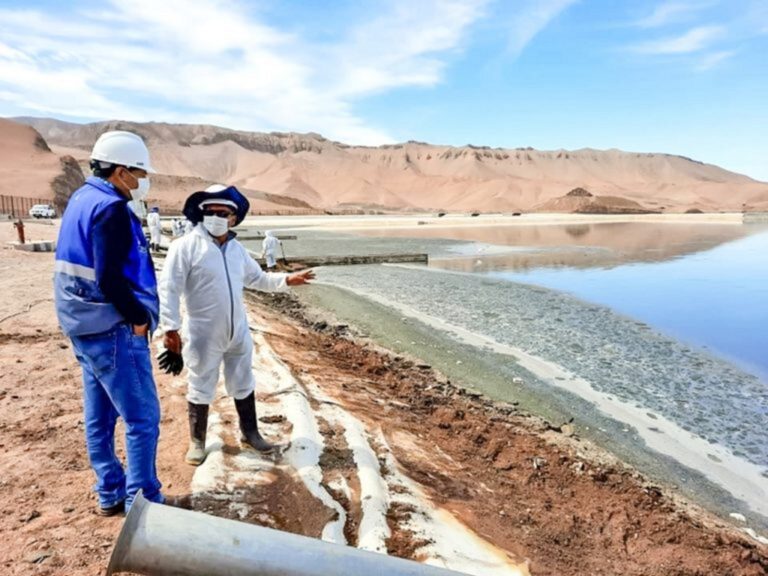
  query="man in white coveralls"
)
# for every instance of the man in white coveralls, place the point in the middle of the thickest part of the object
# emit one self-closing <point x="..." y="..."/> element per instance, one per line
<point x="210" y="268"/>
<point x="269" y="249"/>
<point x="155" y="228"/>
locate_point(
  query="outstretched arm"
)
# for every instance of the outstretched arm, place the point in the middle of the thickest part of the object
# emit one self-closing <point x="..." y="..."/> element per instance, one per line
<point x="255" y="278"/>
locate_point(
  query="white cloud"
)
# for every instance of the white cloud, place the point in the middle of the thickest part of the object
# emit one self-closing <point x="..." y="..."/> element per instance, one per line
<point x="197" y="60"/>
<point x="531" y="17"/>
<point x="10" y="54"/>
<point x="709" y="61"/>
<point x="694" y="40"/>
<point x="402" y="47"/>
<point x="671" y="12"/>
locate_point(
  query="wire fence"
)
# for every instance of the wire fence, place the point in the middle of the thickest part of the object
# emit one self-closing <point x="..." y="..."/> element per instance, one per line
<point x="18" y="206"/>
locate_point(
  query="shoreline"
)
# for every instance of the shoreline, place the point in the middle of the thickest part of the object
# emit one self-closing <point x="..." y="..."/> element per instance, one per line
<point x="744" y="483"/>
<point x="320" y="319"/>
<point x="546" y="499"/>
<point x="341" y="223"/>
<point x="743" y="479"/>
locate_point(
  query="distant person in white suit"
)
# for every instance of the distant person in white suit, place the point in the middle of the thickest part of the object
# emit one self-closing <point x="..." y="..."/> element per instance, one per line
<point x="155" y="228"/>
<point x="269" y="249"/>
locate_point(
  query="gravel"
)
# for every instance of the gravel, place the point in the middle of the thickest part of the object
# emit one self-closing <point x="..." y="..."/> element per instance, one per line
<point x="617" y="355"/>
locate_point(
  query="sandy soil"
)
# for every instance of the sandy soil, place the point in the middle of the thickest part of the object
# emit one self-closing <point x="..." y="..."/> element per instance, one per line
<point x="521" y="485"/>
<point x="34" y="231"/>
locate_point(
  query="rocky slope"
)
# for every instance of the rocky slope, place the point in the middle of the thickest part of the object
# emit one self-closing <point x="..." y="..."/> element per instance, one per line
<point x="29" y="169"/>
<point x="419" y="176"/>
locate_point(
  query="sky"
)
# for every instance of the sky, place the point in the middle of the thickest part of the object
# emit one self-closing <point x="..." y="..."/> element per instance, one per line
<point x="686" y="77"/>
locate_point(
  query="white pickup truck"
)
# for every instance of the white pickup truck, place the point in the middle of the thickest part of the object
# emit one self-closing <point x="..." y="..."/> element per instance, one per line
<point x="42" y="211"/>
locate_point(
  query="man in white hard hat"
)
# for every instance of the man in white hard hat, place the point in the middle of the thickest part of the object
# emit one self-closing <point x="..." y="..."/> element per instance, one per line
<point x="210" y="268"/>
<point x="107" y="304"/>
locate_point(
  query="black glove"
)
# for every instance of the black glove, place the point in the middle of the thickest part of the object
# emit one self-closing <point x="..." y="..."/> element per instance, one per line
<point x="170" y="362"/>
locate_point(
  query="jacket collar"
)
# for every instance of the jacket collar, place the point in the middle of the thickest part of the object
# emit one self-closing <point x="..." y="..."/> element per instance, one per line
<point x="104" y="186"/>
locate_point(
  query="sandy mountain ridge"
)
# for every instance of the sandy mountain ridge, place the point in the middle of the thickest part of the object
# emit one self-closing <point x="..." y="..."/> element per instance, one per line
<point x="301" y="171"/>
<point x="28" y="167"/>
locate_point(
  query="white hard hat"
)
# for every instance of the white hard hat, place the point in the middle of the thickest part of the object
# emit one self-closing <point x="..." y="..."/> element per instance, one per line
<point x="123" y="148"/>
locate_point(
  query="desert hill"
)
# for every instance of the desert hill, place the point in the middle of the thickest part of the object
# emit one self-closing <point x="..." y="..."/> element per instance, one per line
<point x="169" y="188"/>
<point x="581" y="201"/>
<point x="29" y="169"/>
<point x="314" y="171"/>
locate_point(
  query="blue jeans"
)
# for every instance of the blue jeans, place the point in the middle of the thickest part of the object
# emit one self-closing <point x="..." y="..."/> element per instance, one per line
<point x="117" y="381"/>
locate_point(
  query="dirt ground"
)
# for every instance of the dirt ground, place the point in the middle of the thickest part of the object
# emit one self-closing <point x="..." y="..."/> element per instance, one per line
<point x="530" y="488"/>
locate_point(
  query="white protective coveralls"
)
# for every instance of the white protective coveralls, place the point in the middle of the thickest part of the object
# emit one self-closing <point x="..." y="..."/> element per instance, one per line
<point x="155" y="230"/>
<point x="211" y="279"/>
<point x="269" y="248"/>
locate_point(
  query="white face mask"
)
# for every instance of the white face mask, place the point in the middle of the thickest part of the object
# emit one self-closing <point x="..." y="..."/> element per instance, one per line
<point x="216" y="225"/>
<point x="142" y="191"/>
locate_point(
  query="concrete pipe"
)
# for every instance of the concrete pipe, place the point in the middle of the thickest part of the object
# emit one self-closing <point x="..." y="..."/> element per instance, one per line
<point x="158" y="540"/>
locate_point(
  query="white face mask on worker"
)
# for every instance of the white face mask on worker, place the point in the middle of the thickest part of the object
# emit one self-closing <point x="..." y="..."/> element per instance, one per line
<point x="142" y="191"/>
<point x="216" y="225"/>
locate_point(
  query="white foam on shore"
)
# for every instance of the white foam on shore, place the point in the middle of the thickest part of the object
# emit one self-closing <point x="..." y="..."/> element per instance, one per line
<point x="374" y="497"/>
<point x="743" y="479"/>
<point x="306" y="441"/>
<point x="451" y="544"/>
<point x="209" y="476"/>
<point x="223" y="480"/>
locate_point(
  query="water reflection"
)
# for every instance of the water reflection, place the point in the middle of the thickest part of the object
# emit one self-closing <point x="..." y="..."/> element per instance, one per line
<point x="716" y="299"/>
<point x="706" y="284"/>
<point x="525" y="247"/>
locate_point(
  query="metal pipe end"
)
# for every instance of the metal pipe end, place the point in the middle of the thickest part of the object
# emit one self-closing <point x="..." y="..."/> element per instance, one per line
<point x="123" y="544"/>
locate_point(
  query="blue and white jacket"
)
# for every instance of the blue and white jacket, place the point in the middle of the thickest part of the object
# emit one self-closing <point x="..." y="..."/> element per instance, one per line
<point x="104" y="274"/>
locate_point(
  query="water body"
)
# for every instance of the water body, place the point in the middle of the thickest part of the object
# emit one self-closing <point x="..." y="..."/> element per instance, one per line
<point x="589" y="340"/>
<point x="716" y="299"/>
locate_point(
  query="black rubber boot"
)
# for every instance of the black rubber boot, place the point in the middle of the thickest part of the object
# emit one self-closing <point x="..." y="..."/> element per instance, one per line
<point x="113" y="510"/>
<point x="198" y="426"/>
<point x="249" y="426"/>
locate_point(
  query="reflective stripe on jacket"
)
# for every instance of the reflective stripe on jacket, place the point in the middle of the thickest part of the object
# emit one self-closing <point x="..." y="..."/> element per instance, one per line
<point x="81" y="306"/>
